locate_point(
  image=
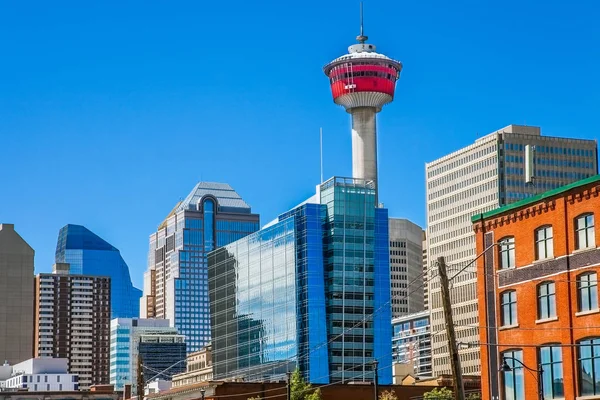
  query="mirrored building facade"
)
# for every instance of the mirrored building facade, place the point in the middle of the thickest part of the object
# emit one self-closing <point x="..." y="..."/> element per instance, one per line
<point x="176" y="282"/>
<point x="311" y="289"/>
<point x="89" y="254"/>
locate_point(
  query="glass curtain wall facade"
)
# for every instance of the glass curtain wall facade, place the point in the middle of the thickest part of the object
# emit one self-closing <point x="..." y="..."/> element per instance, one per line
<point x="329" y="262"/>
<point x="88" y="254"/>
<point x="176" y="282"/>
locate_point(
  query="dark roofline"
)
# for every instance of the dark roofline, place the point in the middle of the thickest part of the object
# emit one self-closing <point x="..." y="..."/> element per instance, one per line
<point x="536" y="199"/>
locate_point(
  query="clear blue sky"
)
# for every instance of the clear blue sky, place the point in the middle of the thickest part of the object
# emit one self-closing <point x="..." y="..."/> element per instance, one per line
<point x="110" y="112"/>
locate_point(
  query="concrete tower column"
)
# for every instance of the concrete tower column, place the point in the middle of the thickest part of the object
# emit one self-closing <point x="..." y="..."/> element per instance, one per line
<point x="364" y="143"/>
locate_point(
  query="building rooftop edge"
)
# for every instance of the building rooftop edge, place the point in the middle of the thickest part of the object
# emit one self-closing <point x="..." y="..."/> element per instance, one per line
<point x="535" y="199"/>
<point x="408" y="317"/>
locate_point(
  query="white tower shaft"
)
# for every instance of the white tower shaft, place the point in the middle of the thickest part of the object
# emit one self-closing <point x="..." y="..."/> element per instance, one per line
<point x="364" y="144"/>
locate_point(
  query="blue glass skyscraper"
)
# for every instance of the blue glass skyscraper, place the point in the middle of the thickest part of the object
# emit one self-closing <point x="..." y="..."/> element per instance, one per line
<point x="311" y="289"/>
<point x="89" y="254"/>
<point x="176" y="282"/>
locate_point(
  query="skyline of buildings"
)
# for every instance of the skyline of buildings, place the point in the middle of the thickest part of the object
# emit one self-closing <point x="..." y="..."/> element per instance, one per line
<point x="176" y="281"/>
<point x="72" y="321"/>
<point x="89" y="254"/>
<point x="474" y="179"/>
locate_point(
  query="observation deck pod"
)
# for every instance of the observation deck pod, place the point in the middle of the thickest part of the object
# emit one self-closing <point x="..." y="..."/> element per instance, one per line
<point x="363" y="78"/>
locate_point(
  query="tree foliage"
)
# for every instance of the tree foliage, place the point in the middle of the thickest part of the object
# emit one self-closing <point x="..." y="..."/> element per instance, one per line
<point x="388" y="395"/>
<point x="301" y="390"/>
<point x="474" y="396"/>
<point x="439" y="394"/>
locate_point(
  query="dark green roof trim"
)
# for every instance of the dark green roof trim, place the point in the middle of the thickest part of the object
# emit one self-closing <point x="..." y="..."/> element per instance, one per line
<point x="536" y="199"/>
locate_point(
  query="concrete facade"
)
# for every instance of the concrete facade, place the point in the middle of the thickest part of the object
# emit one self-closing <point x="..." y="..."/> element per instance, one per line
<point x="561" y="334"/>
<point x="40" y="375"/>
<point x="406" y="266"/>
<point x="478" y="178"/>
<point x="199" y="369"/>
<point x="16" y="296"/>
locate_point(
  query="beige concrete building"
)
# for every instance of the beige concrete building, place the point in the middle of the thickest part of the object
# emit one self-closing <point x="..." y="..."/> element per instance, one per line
<point x="16" y="296"/>
<point x="199" y="369"/>
<point x="480" y="177"/>
<point x="406" y="266"/>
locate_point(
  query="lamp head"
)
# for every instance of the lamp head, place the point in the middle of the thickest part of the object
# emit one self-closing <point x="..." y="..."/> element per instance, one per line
<point x="505" y="367"/>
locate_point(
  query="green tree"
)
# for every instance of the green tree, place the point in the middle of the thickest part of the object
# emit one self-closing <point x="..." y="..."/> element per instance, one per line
<point x="439" y="394"/>
<point x="301" y="390"/>
<point x="388" y="395"/>
<point x="474" y="396"/>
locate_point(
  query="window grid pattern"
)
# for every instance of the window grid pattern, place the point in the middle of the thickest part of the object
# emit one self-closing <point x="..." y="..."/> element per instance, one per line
<point x="546" y="300"/>
<point x="589" y="367"/>
<point x="513" y="380"/>
<point x="509" y="308"/>
<point x="507" y="253"/>
<point x="587" y="291"/>
<point x="544" y="243"/>
<point x="585" y="232"/>
<point x="550" y="359"/>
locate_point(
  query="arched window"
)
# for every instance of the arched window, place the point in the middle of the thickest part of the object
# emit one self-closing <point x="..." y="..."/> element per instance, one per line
<point x="550" y="359"/>
<point x="507" y="252"/>
<point x="508" y="304"/>
<point x="512" y="377"/>
<point x="587" y="291"/>
<point x="584" y="231"/>
<point x="546" y="294"/>
<point x="588" y="366"/>
<point x="544" y="242"/>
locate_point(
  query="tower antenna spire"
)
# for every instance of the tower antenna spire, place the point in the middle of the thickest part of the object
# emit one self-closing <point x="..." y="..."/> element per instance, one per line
<point x="361" y="38"/>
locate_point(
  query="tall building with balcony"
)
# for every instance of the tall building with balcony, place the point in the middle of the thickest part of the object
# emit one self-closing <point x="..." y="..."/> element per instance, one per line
<point x="16" y="296"/>
<point x="72" y="321"/>
<point x="537" y="287"/>
<point x="160" y="346"/>
<point x="411" y="343"/>
<point x="176" y="282"/>
<point x="481" y="177"/>
<point x="309" y="290"/>
<point x="89" y="254"/>
<point x="199" y="369"/>
<point x="406" y="266"/>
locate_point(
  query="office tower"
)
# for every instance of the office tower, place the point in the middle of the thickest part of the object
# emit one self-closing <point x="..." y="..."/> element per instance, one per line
<point x="88" y="254"/>
<point x="38" y="375"/>
<point x="363" y="81"/>
<point x="72" y="321"/>
<point x="425" y="275"/>
<point x="176" y="282"/>
<point x="161" y="347"/>
<point x="16" y="296"/>
<point x="318" y="274"/>
<point x="480" y="177"/>
<point x="538" y="295"/>
<point x="406" y="266"/>
<point x="411" y="343"/>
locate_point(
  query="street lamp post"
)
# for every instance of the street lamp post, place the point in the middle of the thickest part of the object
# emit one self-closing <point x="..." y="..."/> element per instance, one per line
<point x="202" y="391"/>
<point x="506" y="368"/>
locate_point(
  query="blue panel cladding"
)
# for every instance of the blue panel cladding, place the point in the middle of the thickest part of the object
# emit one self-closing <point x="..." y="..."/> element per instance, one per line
<point x="312" y="321"/>
<point x="382" y="351"/>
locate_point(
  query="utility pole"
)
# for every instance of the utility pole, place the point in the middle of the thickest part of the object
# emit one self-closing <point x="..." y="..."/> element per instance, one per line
<point x="140" y="378"/>
<point x="459" y="389"/>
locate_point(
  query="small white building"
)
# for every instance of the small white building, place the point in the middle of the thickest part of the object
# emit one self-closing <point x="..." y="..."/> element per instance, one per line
<point x="39" y="375"/>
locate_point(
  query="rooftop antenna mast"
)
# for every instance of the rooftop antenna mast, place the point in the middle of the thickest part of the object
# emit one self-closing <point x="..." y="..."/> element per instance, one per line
<point x="361" y="38"/>
<point x="321" y="148"/>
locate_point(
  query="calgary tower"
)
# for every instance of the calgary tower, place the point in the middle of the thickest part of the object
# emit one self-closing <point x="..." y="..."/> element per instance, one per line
<point x="363" y="81"/>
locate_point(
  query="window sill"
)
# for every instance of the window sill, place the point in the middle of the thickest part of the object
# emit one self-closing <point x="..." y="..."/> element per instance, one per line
<point x="584" y="251"/>
<point x="543" y="321"/>
<point x="544" y="260"/>
<point x="593" y="397"/>
<point x="582" y="313"/>
<point x="506" y="327"/>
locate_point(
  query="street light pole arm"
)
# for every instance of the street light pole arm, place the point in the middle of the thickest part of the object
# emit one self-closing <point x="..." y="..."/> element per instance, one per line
<point x="523" y="365"/>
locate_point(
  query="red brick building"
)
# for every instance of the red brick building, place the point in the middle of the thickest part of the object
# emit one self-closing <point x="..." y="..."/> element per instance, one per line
<point x="538" y="295"/>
